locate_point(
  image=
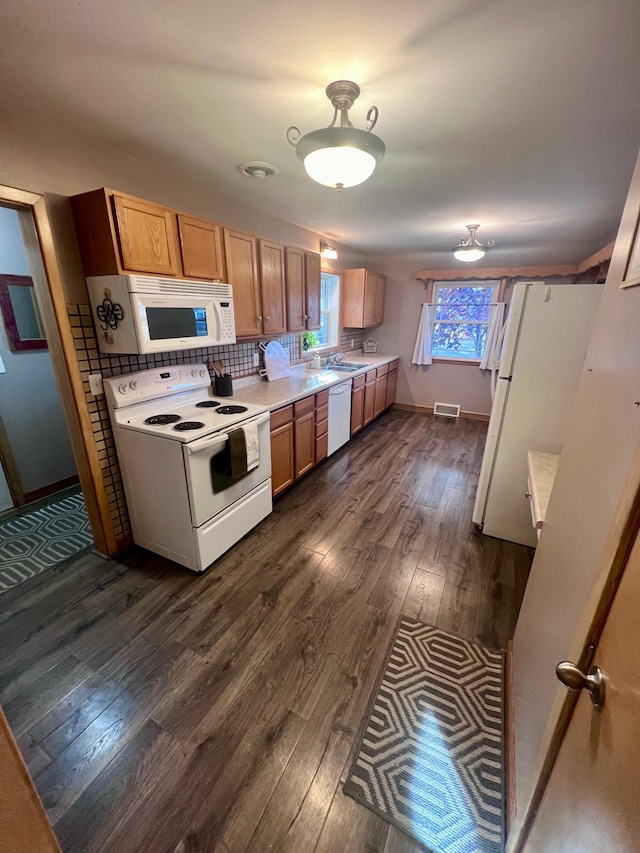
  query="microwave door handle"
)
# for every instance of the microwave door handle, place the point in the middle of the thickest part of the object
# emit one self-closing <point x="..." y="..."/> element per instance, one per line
<point x="216" y="311"/>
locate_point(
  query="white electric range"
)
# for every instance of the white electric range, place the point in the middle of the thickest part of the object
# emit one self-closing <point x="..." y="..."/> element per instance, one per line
<point x="171" y="436"/>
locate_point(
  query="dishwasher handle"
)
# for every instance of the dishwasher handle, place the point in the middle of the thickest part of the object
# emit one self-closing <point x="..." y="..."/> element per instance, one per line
<point x="340" y="389"/>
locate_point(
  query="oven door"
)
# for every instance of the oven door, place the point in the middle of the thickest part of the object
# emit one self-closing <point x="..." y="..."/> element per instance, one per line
<point x="210" y="489"/>
<point x="166" y="323"/>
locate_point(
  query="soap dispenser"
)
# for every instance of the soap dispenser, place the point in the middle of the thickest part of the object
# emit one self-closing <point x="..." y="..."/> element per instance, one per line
<point x="317" y="362"/>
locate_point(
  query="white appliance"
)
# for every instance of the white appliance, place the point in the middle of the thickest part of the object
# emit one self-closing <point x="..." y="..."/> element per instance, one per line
<point x="172" y="439"/>
<point x="545" y="343"/>
<point x="339" y="416"/>
<point x="143" y="314"/>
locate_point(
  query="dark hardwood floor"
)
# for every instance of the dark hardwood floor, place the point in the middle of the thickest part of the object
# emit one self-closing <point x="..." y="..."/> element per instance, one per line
<point x="164" y="711"/>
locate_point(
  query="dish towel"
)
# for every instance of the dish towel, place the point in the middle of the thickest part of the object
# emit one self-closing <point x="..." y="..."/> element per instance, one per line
<point x="237" y="453"/>
<point x="252" y="446"/>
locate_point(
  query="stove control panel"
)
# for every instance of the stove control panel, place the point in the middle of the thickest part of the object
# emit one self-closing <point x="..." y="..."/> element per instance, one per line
<point x="156" y="382"/>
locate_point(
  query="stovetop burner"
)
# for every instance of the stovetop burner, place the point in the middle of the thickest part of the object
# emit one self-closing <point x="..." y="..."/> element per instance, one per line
<point x="207" y="404"/>
<point x="162" y="420"/>
<point x="185" y="425"/>
<point x="231" y="410"/>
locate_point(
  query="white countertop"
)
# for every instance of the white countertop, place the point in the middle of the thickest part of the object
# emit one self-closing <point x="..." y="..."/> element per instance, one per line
<point x="302" y="382"/>
<point x="542" y="469"/>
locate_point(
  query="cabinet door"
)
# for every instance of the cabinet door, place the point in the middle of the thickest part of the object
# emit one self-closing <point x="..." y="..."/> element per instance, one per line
<point x="201" y="246"/>
<point x="281" y="458"/>
<point x="370" y="290"/>
<point x="305" y="443"/>
<point x="357" y="409"/>
<point x="369" y="401"/>
<point x="353" y="298"/>
<point x="381" y="395"/>
<point x="146" y="235"/>
<point x="312" y="289"/>
<point x="294" y="277"/>
<point x="392" y="385"/>
<point x="274" y="306"/>
<point x="378" y="310"/>
<point x="242" y="275"/>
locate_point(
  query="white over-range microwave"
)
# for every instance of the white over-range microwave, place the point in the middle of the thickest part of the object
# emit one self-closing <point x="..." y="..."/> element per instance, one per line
<point x="144" y="314"/>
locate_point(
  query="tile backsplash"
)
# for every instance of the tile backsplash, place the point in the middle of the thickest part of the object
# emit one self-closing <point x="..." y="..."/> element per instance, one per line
<point x="238" y="361"/>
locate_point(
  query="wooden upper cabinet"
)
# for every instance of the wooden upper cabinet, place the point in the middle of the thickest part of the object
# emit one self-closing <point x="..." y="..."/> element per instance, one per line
<point x="272" y="288"/>
<point x="201" y="246"/>
<point x="146" y="236"/>
<point x="362" y="298"/>
<point x="312" y="289"/>
<point x="294" y="277"/>
<point x="242" y="274"/>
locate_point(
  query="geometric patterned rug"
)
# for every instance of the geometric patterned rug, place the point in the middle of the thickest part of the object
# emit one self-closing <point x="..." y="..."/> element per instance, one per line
<point x="35" y="541"/>
<point x="430" y="758"/>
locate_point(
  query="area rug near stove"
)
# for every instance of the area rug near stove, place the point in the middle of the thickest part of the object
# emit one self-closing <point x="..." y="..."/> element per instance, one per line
<point x="430" y="757"/>
<point x="35" y="541"/>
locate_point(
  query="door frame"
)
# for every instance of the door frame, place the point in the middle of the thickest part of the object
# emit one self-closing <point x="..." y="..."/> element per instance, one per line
<point x="620" y="540"/>
<point x="52" y="304"/>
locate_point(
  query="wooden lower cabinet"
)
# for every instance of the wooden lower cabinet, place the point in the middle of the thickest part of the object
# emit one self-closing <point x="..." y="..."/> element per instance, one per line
<point x="369" y="397"/>
<point x="304" y="435"/>
<point x="357" y="404"/>
<point x="282" y="444"/>
<point x="322" y="425"/>
<point x="392" y="384"/>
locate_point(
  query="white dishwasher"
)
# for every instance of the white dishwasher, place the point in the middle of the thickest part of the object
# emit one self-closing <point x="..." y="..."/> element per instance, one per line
<point x="339" y="416"/>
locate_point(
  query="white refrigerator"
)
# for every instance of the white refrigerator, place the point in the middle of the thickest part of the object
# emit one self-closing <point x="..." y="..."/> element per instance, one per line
<point x="546" y="337"/>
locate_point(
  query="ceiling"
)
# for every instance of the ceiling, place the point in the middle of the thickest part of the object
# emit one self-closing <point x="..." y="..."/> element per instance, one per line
<point x="522" y="116"/>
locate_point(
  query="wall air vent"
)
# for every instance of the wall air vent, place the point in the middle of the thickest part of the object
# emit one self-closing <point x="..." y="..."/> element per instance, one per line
<point x="447" y="410"/>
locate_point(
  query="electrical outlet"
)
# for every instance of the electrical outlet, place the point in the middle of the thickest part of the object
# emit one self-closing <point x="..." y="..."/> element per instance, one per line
<point x="95" y="384"/>
<point x="256" y="359"/>
<point x="352" y="342"/>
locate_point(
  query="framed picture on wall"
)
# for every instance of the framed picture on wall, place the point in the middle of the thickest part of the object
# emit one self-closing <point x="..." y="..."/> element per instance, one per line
<point x="632" y="273"/>
<point x="20" y="313"/>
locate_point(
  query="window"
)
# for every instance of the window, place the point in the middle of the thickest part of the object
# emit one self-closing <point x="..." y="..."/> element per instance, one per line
<point x="461" y="318"/>
<point x="327" y="334"/>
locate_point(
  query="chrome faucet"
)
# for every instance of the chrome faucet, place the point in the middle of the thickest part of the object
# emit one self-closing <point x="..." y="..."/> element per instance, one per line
<point x="335" y="358"/>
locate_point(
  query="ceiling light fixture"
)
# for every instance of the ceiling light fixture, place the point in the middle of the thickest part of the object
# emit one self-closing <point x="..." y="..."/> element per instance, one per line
<point x="469" y="249"/>
<point x="341" y="156"/>
<point x="328" y="252"/>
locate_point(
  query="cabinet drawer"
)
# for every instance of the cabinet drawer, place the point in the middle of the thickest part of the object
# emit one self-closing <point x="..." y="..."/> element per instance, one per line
<point x="281" y="416"/>
<point x="303" y="407"/>
<point x="322" y="412"/>
<point x="371" y="376"/>
<point x="358" y="381"/>
<point x="322" y="398"/>
<point x="382" y="371"/>
<point x="322" y="447"/>
<point x="322" y="427"/>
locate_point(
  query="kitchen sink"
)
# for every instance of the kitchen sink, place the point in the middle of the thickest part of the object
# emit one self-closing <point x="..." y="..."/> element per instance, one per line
<point x="350" y="365"/>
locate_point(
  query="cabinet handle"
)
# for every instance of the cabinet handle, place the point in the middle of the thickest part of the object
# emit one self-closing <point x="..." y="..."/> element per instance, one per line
<point x="260" y="318"/>
<point x="306" y="316"/>
<point x="267" y="318"/>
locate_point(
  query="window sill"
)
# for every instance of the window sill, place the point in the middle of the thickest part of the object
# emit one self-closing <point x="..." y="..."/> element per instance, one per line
<point x="320" y="349"/>
<point x="441" y="360"/>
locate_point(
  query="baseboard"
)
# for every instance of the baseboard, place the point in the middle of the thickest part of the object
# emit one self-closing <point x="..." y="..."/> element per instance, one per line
<point x="124" y="543"/>
<point x="428" y="410"/>
<point x="510" y="743"/>
<point x="51" y="489"/>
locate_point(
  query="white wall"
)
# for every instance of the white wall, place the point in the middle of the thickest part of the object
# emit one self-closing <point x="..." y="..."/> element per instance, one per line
<point x="602" y="438"/>
<point x="30" y="406"/>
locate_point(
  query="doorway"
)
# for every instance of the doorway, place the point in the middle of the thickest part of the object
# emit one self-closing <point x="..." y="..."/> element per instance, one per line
<point x="42" y="514"/>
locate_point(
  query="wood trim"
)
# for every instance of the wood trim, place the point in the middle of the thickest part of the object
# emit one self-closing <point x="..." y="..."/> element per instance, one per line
<point x="16" y="342"/>
<point x="510" y="738"/>
<point x="10" y="468"/>
<point x="474" y="362"/>
<point x="497" y="272"/>
<point x="599" y="257"/>
<point x="51" y="489"/>
<point x="624" y="530"/>
<point x="53" y="310"/>
<point x="428" y="410"/>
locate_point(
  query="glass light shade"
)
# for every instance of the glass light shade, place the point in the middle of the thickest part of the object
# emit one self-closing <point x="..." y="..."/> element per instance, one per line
<point x="330" y="253"/>
<point x="469" y="254"/>
<point x="340" y="156"/>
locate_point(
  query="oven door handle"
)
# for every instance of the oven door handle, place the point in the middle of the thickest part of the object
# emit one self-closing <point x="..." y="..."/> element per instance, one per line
<point x="211" y="441"/>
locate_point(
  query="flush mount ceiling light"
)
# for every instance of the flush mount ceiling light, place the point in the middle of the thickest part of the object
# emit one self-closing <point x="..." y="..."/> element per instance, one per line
<point x="341" y="156"/>
<point x="258" y="169"/>
<point x="328" y="251"/>
<point x="469" y="249"/>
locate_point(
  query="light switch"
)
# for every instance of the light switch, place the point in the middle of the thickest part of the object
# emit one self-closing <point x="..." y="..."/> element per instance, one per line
<point x="2" y="367"/>
<point x="95" y="384"/>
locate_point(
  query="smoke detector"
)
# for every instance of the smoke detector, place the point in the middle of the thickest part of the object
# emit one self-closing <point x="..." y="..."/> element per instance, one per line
<point x="257" y="169"/>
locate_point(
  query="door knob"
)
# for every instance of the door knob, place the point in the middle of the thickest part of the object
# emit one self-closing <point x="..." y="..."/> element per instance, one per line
<point x="573" y="678"/>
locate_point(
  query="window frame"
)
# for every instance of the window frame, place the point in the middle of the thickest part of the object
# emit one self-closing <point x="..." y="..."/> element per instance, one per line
<point x="496" y="288"/>
<point x="333" y="314"/>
